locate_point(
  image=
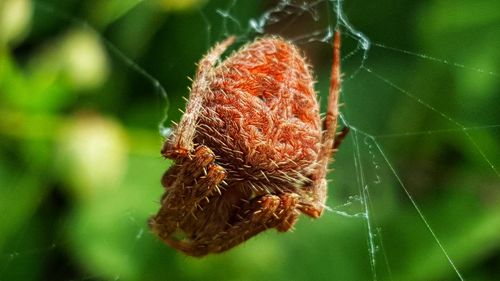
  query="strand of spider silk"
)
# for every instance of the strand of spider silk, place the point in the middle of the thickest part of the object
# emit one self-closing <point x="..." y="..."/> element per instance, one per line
<point x="363" y="190"/>
<point x="372" y="247"/>
<point x="417" y="208"/>
<point x="431" y="58"/>
<point x="362" y="39"/>
<point x="431" y="132"/>
<point x="443" y="115"/>
<point x="410" y="197"/>
<point x="47" y="8"/>
<point x="386" y="260"/>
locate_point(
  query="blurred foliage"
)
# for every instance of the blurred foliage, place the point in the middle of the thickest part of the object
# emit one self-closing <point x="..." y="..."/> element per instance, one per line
<point x="79" y="148"/>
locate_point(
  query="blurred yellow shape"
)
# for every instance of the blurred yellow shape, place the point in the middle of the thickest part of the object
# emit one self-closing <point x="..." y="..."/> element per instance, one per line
<point x="179" y="5"/>
<point x="92" y="154"/>
<point x="84" y="59"/>
<point x="15" y="18"/>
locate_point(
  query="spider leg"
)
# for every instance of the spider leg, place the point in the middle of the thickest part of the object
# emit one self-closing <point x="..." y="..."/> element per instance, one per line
<point x="248" y="223"/>
<point x="267" y="211"/>
<point x="339" y="138"/>
<point x="315" y="193"/>
<point x="194" y="179"/>
<point x="181" y="141"/>
<point x="288" y="211"/>
<point x="187" y="171"/>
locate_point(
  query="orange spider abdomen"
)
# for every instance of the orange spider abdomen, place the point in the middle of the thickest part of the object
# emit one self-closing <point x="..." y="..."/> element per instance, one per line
<point x="261" y="114"/>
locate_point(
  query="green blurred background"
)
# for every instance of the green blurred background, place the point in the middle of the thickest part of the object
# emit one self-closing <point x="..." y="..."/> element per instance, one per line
<point x="79" y="144"/>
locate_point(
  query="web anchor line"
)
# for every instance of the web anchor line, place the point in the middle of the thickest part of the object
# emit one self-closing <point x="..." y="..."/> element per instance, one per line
<point x="442" y="114"/>
<point x="417" y="208"/>
<point x="438" y="60"/>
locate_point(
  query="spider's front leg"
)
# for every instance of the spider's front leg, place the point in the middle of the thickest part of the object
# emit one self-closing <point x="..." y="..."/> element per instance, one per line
<point x="194" y="171"/>
<point x="189" y="182"/>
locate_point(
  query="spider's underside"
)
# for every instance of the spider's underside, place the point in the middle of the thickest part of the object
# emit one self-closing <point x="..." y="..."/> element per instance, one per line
<point x="251" y="151"/>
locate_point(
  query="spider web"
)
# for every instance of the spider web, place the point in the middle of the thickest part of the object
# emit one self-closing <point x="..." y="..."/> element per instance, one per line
<point x="415" y="189"/>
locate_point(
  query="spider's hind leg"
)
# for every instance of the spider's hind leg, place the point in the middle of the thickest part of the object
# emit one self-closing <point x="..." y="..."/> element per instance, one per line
<point x="339" y="138"/>
<point x="314" y="195"/>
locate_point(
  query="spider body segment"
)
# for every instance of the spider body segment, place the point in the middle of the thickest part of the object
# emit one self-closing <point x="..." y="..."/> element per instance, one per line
<point x="251" y="151"/>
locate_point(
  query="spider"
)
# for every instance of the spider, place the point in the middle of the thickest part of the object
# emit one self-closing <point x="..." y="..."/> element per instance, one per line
<point x="251" y="151"/>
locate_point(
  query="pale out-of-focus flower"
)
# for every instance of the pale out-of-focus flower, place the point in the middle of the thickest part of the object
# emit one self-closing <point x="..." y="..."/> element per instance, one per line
<point x="15" y="18"/>
<point x="92" y="154"/>
<point x="84" y="59"/>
